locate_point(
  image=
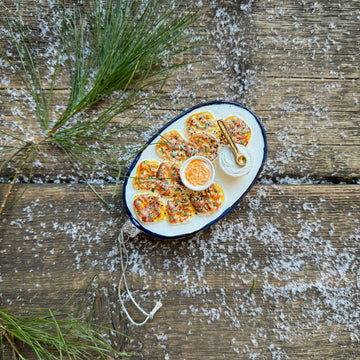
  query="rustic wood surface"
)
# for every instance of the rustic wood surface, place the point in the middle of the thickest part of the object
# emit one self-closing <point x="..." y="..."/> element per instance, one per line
<point x="296" y="235"/>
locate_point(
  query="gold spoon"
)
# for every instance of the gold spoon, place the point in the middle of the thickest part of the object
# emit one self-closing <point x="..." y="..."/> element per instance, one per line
<point x="240" y="159"/>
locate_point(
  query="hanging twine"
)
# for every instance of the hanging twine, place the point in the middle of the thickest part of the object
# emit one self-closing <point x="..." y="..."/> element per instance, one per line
<point x="131" y="231"/>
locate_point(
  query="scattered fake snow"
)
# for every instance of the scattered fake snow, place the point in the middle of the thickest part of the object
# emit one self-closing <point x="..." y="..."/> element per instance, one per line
<point x="307" y="271"/>
<point x="312" y="269"/>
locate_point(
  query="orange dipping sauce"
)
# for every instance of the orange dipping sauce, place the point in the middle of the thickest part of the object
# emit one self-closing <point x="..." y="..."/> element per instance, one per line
<point x="197" y="173"/>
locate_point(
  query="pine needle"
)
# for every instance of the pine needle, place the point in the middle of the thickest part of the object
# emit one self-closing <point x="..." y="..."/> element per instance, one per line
<point x="113" y="50"/>
<point x="252" y="288"/>
<point x="55" y="334"/>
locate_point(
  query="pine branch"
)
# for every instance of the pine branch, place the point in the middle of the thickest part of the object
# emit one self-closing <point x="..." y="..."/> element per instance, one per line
<point x="115" y="50"/>
<point x="56" y="334"/>
<point x="51" y="334"/>
<point x="28" y="152"/>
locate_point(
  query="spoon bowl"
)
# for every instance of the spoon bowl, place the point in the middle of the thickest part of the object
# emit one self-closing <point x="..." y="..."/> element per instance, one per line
<point x="240" y="158"/>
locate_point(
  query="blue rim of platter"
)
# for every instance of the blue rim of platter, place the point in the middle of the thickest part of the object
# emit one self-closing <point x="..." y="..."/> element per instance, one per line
<point x="225" y="212"/>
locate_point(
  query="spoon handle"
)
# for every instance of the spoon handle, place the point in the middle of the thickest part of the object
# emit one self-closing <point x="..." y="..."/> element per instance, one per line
<point x="228" y="137"/>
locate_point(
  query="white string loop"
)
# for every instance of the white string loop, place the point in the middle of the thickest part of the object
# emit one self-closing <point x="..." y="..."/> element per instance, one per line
<point x="131" y="231"/>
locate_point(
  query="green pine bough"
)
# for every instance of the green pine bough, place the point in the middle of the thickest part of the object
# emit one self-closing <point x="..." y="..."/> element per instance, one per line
<point x="114" y="51"/>
<point x="56" y="334"/>
<point x="52" y="336"/>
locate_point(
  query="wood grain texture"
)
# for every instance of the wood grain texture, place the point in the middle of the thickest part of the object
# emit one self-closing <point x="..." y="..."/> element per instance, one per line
<point x="296" y="65"/>
<point x="299" y="242"/>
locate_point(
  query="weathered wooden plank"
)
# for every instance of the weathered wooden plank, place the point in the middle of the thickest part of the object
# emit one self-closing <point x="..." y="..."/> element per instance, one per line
<point x="311" y="40"/>
<point x="296" y="65"/>
<point x="305" y="141"/>
<point x="299" y="242"/>
<point x="309" y="104"/>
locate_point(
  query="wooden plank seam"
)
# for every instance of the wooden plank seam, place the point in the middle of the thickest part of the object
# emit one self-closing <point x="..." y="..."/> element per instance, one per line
<point x="129" y="229"/>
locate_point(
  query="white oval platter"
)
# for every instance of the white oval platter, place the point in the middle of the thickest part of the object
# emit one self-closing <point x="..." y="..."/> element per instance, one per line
<point x="235" y="188"/>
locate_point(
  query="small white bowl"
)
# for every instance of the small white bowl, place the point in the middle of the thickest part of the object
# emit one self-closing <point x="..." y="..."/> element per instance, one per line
<point x="228" y="164"/>
<point x="200" y="187"/>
